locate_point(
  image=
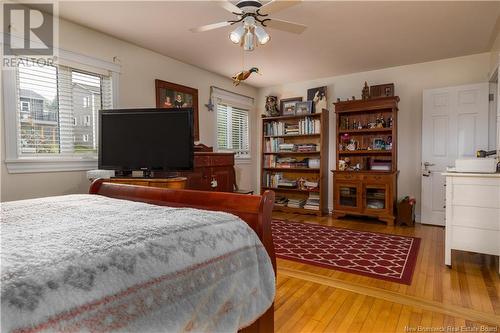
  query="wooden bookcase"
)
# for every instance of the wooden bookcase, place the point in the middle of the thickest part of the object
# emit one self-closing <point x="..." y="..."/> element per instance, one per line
<point x="318" y="136"/>
<point x="363" y="190"/>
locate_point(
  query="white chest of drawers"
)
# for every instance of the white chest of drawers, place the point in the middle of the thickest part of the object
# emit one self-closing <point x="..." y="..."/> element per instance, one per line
<point x="472" y="213"/>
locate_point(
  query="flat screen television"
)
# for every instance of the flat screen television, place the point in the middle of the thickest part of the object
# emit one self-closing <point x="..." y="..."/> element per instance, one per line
<point x="146" y="139"/>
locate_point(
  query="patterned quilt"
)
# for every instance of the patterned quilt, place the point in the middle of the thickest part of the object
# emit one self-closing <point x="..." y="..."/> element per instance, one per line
<point x="88" y="263"/>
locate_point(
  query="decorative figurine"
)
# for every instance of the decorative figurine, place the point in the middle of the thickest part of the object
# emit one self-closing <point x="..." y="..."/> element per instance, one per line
<point x="301" y="183"/>
<point x="272" y="106"/>
<point x="352" y="145"/>
<point x="342" y="165"/>
<point x="243" y="75"/>
<point x="382" y="121"/>
<point x="365" y="93"/>
<point x="388" y="143"/>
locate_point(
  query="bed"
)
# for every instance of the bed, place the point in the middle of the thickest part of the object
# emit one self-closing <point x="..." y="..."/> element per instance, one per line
<point x="140" y="259"/>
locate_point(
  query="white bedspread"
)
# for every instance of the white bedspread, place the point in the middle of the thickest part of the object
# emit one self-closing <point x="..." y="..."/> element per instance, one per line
<point x="89" y="263"/>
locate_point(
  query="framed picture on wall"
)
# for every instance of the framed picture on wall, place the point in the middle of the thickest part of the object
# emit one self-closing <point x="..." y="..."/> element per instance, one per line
<point x="171" y="95"/>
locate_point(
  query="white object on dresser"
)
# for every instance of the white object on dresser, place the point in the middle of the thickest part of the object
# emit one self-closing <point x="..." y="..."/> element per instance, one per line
<point x="488" y="165"/>
<point x="94" y="174"/>
<point x="472" y="213"/>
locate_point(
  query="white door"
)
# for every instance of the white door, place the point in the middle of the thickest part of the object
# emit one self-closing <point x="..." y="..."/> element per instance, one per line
<point x="454" y="124"/>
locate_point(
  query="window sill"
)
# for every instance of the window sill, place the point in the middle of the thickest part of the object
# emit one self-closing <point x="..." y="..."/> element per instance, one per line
<point x="23" y="165"/>
<point x="239" y="161"/>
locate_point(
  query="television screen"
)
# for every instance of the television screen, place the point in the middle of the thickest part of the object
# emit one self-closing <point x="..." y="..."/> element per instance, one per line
<point x="139" y="139"/>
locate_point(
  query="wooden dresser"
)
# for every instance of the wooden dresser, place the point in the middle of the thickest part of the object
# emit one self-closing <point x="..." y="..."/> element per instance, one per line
<point x="173" y="183"/>
<point x="472" y="213"/>
<point x="211" y="172"/>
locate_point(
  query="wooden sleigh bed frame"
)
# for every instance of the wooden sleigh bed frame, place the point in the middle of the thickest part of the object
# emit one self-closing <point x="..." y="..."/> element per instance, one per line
<point x="255" y="210"/>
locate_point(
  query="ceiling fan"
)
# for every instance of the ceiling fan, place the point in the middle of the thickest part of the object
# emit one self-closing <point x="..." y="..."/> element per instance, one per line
<point x="254" y="16"/>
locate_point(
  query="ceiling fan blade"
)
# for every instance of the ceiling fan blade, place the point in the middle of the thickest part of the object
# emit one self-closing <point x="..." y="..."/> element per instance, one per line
<point x="277" y="5"/>
<point x="228" y="6"/>
<point x="286" y="26"/>
<point x="210" y="27"/>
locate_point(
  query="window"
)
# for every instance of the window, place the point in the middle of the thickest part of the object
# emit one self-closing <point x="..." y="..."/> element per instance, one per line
<point x="45" y="107"/>
<point x="58" y="95"/>
<point x="25" y="106"/>
<point x="232" y="130"/>
<point x="86" y="121"/>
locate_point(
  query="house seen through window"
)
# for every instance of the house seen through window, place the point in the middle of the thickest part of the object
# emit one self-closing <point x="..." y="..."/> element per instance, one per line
<point x="52" y="100"/>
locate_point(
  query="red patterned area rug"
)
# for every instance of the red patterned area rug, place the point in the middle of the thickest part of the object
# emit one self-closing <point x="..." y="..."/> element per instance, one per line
<point x="382" y="256"/>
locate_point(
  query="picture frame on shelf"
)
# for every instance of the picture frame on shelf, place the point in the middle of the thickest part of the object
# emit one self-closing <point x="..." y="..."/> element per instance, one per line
<point x="304" y="107"/>
<point x="382" y="90"/>
<point x="287" y="105"/>
<point x="378" y="144"/>
<point x="171" y="96"/>
<point x="319" y="99"/>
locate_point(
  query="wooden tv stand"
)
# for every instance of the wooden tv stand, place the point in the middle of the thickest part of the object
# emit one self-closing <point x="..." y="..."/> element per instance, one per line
<point x="172" y="183"/>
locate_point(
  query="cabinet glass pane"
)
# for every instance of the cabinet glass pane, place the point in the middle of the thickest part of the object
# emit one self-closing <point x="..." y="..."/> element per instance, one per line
<point x="375" y="198"/>
<point x="348" y="196"/>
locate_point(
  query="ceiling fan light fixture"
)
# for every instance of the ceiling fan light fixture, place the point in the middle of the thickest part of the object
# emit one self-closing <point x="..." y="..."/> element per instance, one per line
<point x="236" y="35"/>
<point x="249" y="41"/>
<point x="261" y="34"/>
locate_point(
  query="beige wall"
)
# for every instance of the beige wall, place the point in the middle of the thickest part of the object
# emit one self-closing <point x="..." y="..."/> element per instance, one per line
<point x="495" y="47"/>
<point x="409" y="82"/>
<point x="140" y="67"/>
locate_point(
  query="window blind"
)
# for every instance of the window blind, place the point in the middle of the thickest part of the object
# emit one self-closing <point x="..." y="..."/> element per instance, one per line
<point x="58" y="110"/>
<point x="232" y="130"/>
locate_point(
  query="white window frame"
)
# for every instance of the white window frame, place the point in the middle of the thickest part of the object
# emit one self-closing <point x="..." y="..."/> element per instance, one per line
<point x="22" y="164"/>
<point x="86" y="102"/>
<point x="28" y="109"/>
<point x="221" y="96"/>
<point x="86" y="121"/>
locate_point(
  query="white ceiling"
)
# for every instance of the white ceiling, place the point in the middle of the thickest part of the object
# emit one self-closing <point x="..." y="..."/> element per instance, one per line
<point x="342" y="37"/>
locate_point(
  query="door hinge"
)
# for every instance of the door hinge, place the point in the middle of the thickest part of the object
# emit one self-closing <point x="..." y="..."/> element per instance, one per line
<point x="491" y="97"/>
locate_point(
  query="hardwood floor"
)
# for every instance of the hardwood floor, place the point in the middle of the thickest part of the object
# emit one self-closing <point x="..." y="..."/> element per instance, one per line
<point x="465" y="298"/>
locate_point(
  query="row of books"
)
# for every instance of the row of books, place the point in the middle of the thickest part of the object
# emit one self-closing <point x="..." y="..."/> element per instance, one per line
<point x="286" y="147"/>
<point x="278" y="145"/>
<point x="273" y="144"/>
<point x="273" y="161"/>
<point x="296" y="202"/>
<point x="307" y="125"/>
<point x="276" y="180"/>
<point x="312" y="202"/>
<point x="306" y="147"/>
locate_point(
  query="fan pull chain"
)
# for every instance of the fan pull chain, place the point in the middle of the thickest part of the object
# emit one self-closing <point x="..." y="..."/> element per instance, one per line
<point x="242" y="60"/>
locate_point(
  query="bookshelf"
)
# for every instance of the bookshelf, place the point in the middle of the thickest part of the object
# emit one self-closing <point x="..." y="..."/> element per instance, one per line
<point x="365" y="178"/>
<point x="295" y="159"/>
